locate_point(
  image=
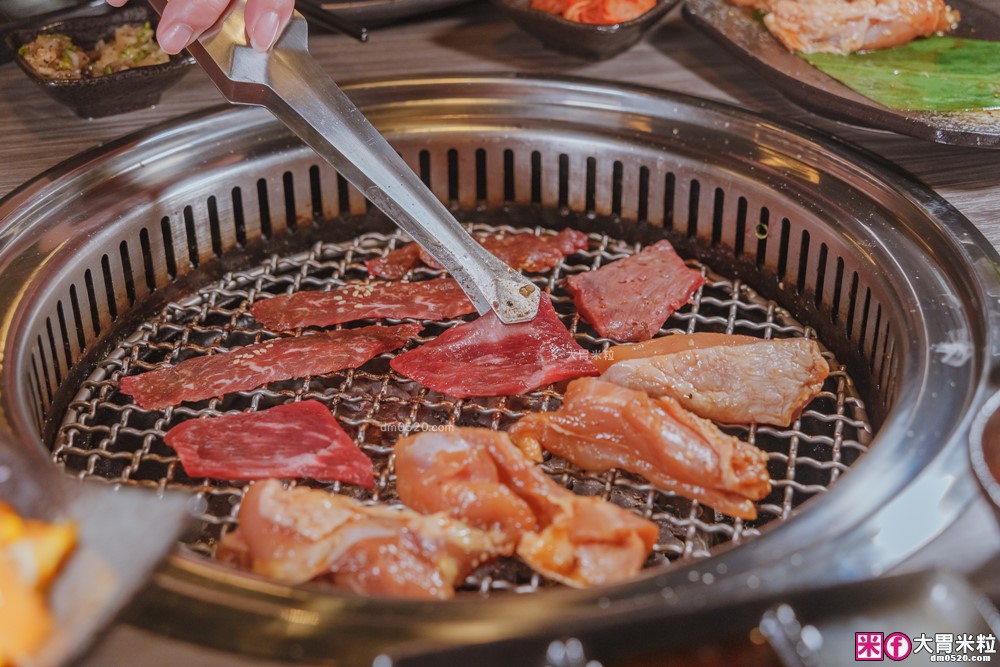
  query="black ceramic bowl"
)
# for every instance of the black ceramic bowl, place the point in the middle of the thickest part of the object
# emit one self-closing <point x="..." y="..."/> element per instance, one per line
<point x="583" y="39"/>
<point x="110" y="94"/>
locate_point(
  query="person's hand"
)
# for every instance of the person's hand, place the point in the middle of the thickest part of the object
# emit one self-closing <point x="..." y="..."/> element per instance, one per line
<point x="184" y="20"/>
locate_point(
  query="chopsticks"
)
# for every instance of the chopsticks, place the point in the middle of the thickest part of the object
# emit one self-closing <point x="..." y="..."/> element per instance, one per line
<point x="315" y="14"/>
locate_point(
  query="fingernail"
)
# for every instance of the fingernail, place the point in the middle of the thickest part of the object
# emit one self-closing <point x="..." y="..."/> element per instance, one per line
<point x="176" y="37"/>
<point x="265" y="32"/>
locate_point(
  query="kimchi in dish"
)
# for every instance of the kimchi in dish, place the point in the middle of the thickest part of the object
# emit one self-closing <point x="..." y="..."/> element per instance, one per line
<point x="598" y="12"/>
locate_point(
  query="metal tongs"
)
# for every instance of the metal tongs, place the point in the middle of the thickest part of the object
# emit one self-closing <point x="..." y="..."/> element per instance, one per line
<point x="291" y="84"/>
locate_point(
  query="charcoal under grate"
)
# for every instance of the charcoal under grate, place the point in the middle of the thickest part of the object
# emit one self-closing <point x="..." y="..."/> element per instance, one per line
<point x="104" y="435"/>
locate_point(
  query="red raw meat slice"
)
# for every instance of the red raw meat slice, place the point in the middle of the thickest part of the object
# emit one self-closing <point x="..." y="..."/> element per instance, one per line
<point x="488" y="358"/>
<point x="629" y="300"/>
<point x="254" y="365"/>
<point x="396" y="263"/>
<point x="436" y="299"/>
<point x="294" y="440"/>
<point x="521" y="251"/>
<point x="525" y="251"/>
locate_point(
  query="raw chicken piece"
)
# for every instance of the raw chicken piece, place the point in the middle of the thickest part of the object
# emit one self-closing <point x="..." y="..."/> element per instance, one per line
<point x="667" y="345"/>
<point x="738" y="380"/>
<point x="248" y="367"/>
<point x="294" y="440"/>
<point x="846" y="26"/>
<point x="456" y="472"/>
<point x="486" y="357"/>
<point x="296" y="535"/>
<point x="479" y="476"/>
<point x="629" y="300"/>
<point x="602" y="426"/>
<point x="437" y="299"/>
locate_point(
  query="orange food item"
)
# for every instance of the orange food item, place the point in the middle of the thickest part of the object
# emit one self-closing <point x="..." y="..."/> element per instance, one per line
<point x="31" y="553"/>
<point x="598" y="12"/>
<point x="25" y="621"/>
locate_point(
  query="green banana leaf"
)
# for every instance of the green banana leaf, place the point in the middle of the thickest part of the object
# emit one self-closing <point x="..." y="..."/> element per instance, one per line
<point x="934" y="74"/>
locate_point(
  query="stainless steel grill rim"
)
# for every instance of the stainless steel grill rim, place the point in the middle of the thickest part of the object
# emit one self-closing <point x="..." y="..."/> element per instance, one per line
<point x="858" y="249"/>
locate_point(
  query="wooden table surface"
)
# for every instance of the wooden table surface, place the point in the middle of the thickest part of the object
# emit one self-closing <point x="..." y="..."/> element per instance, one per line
<point x="37" y="133"/>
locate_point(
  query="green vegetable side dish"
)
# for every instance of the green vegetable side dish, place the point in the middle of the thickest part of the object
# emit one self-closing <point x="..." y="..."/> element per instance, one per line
<point x="941" y="74"/>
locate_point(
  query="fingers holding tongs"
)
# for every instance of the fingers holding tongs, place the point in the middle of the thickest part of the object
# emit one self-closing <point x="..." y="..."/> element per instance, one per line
<point x="297" y="90"/>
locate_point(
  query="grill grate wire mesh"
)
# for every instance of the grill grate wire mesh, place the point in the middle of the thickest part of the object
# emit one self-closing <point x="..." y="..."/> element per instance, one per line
<point x="105" y="436"/>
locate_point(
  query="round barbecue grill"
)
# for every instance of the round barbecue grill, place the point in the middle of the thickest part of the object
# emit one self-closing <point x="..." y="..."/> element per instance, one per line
<point x="153" y="249"/>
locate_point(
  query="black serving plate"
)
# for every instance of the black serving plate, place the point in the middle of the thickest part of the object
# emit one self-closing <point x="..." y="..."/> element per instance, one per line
<point x="381" y="12"/>
<point x="736" y="29"/>
<point x="132" y="89"/>
<point x="583" y="39"/>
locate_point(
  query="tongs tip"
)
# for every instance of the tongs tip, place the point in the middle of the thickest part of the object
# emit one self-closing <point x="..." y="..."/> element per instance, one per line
<point x="517" y="300"/>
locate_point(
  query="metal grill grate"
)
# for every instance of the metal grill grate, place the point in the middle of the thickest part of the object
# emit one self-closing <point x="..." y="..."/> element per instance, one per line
<point x="105" y="436"/>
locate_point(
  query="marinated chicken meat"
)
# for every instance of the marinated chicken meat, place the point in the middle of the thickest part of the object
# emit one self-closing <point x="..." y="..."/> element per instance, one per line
<point x="600" y="12"/>
<point x="630" y="299"/>
<point x="298" y="534"/>
<point x="521" y="251"/>
<point x="479" y="476"/>
<point x="457" y="472"/>
<point x="248" y="367"/>
<point x="437" y="299"/>
<point x="294" y="440"/>
<point x="602" y="426"/>
<point x="735" y="379"/>
<point x="846" y="26"/>
<point x="667" y="345"/>
<point x="486" y="357"/>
